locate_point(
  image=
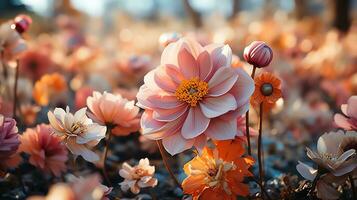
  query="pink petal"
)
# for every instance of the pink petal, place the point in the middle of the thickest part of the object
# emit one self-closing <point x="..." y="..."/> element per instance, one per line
<point x="166" y="115"/>
<point x="342" y="122"/>
<point x="221" y="55"/>
<point x="216" y="106"/>
<point x="164" y="101"/>
<point x="222" y="81"/>
<point x="243" y="88"/>
<point x="148" y="124"/>
<point x="164" y="81"/>
<point x="174" y="74"/>
<point x="195" y="123"/>
<point x="205" y="65"/>
<point x="200" y="142"/>
<point x="221" y="130"/>
<point x="352" y="107"/>
<point x="175" y="143"/>
<point x="187" y="64"/>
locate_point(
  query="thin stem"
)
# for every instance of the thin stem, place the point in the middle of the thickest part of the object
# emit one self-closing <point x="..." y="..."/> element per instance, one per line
<point x="247" y="132"/>
<point x="106" y="149"/>
<point x="15" y="89"/>
<point x="260" y="144"/>
<point x="253" y="72"/>
<point x="164" y="159"/>
<point x="247" y="120"/>
<point x="354" y="195"/>
<point x="314" y="182"/>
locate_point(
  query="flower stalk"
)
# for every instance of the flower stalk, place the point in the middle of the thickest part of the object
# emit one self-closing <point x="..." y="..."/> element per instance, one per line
<point x="247" y="120"/>
<point x="260" y="146"/>
<point x="15" y="89"/>
<point x="106" y="149"/>
<point x="164" y="159"/>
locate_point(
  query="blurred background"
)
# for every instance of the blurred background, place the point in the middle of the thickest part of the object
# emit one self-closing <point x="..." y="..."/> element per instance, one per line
<point x="109" y="45"/>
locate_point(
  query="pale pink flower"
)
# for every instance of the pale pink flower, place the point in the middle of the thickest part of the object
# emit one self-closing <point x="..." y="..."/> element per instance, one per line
<point x="139" y="176"/>
<point x="81" y="96"/>
<point x="9" y="143"/>
<point x="192" y="95"/>
<point x="115" y="111"/>
<point x="169" y="37"/>
<point x="45" y="149"/>
<point x="77" y="131"/>
<point x="88" y="188"/>
<point x="335" y="152"/>
<point x="348" y="121"/>
<point x="11" y="43"/>
<point x="242" y="129"/>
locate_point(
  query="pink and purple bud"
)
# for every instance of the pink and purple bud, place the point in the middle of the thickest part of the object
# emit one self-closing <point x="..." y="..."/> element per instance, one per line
<point x="258" y="54"/>
<point x="22" y="23"/>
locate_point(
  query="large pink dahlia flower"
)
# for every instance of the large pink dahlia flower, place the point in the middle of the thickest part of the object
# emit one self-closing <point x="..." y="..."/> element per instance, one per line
<point x="192" y="95"/>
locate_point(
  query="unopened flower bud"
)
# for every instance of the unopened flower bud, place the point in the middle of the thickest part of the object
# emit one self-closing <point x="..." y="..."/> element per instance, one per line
<point x="258" y="54"/>
<point x="22" y="23"/>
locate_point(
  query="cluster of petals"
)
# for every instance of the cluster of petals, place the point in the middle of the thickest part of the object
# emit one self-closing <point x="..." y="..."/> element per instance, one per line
<point x="139" y="176"/>
<point x="46" y="150"/>
<point x="77" y="131"/>
<point x="192" y="95"/>
<point x="11" y="43"/>
<point x="82" y="188"/>
<point x="120" y="114"/>
<point x="48" y="87"/>
<point x="9" y="143"/>
<point x="348" y="121"/>
<point x="218" y="173"/>
<point x="335" y="157"/>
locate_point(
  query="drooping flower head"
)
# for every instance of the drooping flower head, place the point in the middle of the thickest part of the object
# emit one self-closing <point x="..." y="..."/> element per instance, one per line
<point x="348" y="121"/>
<point x="11" y="43"/>
<point x="139" y="176"/>
<point x="77" y="131"/>
<point x="9" y="143"/>
<point x="267" y="90"/>
<point x="115" y="111"/>
<point x="258" y="54"/>
<point x="218" y="173"/>
<point x="192" y="95"/>
<point x="48" y="87"/>
<point x="45" y="149"/>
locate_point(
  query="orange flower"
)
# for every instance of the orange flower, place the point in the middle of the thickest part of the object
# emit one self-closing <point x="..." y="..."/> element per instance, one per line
<point x="48" y="86"/>
<point x="267" y="90"/>
<point x="218" y="173"/>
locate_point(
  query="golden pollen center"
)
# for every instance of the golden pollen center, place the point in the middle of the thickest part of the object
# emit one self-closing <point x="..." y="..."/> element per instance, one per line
<point x="191" y="91"/>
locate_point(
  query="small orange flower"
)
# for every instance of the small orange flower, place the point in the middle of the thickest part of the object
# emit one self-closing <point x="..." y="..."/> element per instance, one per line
<point x="267" y="90"/>
<point x="218" y="173"/>
<point x="48" y="86"/>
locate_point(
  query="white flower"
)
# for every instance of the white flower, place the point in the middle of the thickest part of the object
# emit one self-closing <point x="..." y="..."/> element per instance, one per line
<point x="331" y="157"/>
<point x="78" y="132"/>
<point x="137" y="177"/>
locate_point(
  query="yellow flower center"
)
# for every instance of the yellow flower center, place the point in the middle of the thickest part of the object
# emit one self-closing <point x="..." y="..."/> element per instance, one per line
<point x="191" y="91"/>
<point x="78" y="129"/>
